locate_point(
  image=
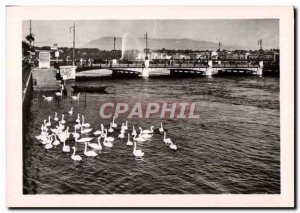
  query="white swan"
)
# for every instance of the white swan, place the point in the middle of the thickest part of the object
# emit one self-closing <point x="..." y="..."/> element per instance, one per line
<point x="77" y="126"/>
<point x="85" y="131"/>
<point x="129" y="142"/>
<point x="121" y="135"/>
<point x="48" y="146"/>
<point x="44" y="128"/>
<point x="133" y="131"/>
<point x="62" y="119"/>
<point x="102" y="134"/>
<point x="78" y="118"/>
<point x="84" y="124"/>
<point x="96" y="146"/>
<point x="55" y="117"/>
<point x="60" y="126"/>
<point x="126" y="125"/>
<point x="107" y="143"/>
<point x="75" y="134"/>
<point x="65" y="148"/>
<point x="49" y="98"/>
<point x="161" y="129"/>
<point x="67" y="133"/>
<point x="99" y="132"/>
<point x="109" y="139"/>
<point x="110" y="128"/>
<point x="89" y="153"/>
<point x="122" y="131"/>
<point x="49" y="121"/>
<point x="56" y="142"/>
<point x="59" y="93"/>
<point x="71" y="111"/>
<point x="137" y="153"/>
<point x="139" y="139"/>
<point x="49" y="142"/>
<point x="123" y="127"/>
<point x="167" y="140"/>
<point x="173" y="146"/>
<point x="83" y="140"/>
<point x="114" y="125"/>
<point x="62" y="137"/>
<point x="146" y="136"/>
<point x="76" y="98"/>
<point x="75" y="157"/>
<point x="44" y="140"/>
<point x="147" y="131"/>
<point x="42" y="136"/>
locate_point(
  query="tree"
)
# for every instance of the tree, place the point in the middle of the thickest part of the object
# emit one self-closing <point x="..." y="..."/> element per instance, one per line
<point x="25" y="48"/>
<point x="30" y="38"/>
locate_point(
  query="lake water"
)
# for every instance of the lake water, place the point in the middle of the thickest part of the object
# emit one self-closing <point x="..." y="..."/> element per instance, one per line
<point x="234" y="147"/>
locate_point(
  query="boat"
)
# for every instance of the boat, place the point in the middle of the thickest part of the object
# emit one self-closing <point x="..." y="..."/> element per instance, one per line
<point x="86" y="88"/>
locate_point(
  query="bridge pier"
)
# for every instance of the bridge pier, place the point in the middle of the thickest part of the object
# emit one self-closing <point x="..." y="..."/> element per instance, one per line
<point x="260" y="69"/>
<point x="209" y="69"/>
<point x="145" y="72"/>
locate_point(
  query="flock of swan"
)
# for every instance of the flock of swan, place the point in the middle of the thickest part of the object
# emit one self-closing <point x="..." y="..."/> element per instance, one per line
<point x="60" y="94"/>
<point x="55" y="132"/>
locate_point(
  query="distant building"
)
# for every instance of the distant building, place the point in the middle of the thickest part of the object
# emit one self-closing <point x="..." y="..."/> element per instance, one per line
<point x="203" y="55"/>
<point x="214" y="55"/>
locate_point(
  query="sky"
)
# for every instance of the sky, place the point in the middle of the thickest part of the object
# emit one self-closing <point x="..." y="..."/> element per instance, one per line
<point x="244" y="33"/>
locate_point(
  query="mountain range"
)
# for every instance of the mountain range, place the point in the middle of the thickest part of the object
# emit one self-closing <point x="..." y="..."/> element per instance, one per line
<point x="106" y="43"/>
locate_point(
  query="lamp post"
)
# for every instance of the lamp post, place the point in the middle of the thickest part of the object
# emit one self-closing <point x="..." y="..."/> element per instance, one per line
<point x="73" y="28"/>
<point x="30" y="39"/>
<point x="260" y="44"/>
<point x="115" y="43"/>
<point x="146" y="51"/>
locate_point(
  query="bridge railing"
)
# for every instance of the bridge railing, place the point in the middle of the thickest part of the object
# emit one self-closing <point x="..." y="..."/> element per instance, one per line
<point x="246" y="65"/>
<point x="184" y="65"/>
<point x="114" y="66"/>
<point x="103" y="66"/>
<point x="166" y="65"/>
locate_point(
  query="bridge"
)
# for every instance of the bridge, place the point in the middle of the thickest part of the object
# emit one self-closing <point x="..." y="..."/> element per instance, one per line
<point x="208" y="69"/>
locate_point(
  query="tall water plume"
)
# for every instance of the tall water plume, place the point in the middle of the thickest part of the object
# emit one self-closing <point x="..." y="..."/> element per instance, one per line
<point x="132" y="48"/>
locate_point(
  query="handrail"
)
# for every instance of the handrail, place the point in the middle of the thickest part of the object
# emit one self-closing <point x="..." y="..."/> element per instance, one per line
<point x="165" y="65"/>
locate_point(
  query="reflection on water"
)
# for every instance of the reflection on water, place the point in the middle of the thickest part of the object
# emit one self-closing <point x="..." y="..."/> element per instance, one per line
<point x="233" y="148"/>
